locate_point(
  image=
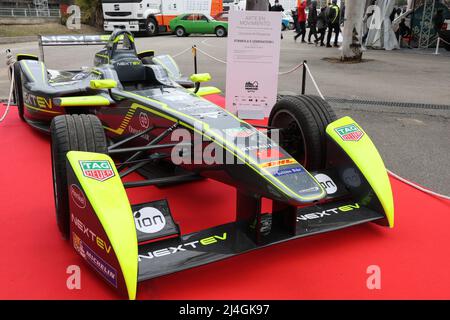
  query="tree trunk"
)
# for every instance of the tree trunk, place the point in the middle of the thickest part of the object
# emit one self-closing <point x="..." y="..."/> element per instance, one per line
<point x="257" y="5"/>
<point x="353" y="29"/>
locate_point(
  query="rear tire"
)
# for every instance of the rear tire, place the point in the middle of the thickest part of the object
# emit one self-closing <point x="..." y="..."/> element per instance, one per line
<point x="180" y="32"/>
<point x="303" y="120"/>
<point x="151" y="27"/>
<point x="18" y="93"/>
<point x="71" y="133"/>
<point x="221" y="32"/>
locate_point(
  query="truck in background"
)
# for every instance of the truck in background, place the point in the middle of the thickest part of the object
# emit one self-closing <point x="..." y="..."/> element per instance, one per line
<point x="152" y="16"/>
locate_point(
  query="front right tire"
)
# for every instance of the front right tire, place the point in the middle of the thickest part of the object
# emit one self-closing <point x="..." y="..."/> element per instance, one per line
<point x="71" y="133"/>
<point x="303" y="120"/>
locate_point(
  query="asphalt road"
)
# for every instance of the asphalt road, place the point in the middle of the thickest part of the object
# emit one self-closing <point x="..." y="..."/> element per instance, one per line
<point x="414" y="142"/>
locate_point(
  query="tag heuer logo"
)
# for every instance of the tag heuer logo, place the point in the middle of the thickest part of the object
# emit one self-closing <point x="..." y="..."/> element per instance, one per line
<point x="100" y="170"/>
<point x="350" y="132"/>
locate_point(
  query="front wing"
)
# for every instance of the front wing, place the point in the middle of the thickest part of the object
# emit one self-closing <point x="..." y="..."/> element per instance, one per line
<point x="126" y="244"/>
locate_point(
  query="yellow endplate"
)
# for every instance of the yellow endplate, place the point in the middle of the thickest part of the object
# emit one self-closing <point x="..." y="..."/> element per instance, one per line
<point x="112" y="207"/>
<point x="360" y="148"/>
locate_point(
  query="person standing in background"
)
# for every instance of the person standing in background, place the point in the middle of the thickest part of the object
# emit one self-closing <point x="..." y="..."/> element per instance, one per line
<point x="334" y="17"/>
<point x="301" y="5"/>
<point x="312" y="21"/>
<point x="278" y="8"/>
<point x="322" y="24"/>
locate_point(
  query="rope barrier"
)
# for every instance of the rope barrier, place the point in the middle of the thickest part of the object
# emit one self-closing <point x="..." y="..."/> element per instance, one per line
<point x="314" y="82"/>
<point x="10" y="60"/>
<point x="182" y="52"/>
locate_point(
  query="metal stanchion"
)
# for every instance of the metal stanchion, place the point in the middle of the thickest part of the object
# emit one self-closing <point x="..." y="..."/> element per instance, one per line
<point x="194" y="53"/>
<point x="437" y="45"/>
<point x="304" y="77"/>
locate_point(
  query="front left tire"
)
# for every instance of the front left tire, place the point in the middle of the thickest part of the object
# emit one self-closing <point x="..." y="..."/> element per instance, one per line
<point x="71" y="133"/>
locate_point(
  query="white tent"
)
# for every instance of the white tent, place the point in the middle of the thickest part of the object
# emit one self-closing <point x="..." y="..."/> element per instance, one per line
<point x="381" y="35"/>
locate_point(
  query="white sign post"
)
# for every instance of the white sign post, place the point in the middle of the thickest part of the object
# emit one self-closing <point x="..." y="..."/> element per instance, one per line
<point x="253" y="57"/>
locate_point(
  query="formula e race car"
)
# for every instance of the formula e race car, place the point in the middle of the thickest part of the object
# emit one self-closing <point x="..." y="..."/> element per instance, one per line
<point x="321" y="173"/>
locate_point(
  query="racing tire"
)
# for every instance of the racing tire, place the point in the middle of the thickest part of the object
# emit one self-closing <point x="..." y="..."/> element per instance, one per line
<point x="18" y="93"/>
<point x="71" y="133"/>
<point x="180" y="32"/>
<point x="151" y="27"/>
<point x="303" y="120"/>
<point x="221" y="32"/>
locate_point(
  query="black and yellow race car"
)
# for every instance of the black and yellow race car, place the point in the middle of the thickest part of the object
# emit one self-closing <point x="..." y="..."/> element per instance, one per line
<point x="134" y="112"/>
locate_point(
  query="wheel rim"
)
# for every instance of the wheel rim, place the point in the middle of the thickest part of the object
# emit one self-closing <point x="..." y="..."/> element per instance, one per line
<point x="151" y="27"/>
<point x="220" y="32"/>
<point x="180" y="32"/>
<point x="292" y="138"/>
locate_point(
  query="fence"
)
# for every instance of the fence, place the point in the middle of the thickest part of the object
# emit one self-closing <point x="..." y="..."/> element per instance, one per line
<point x="29" y="12"/>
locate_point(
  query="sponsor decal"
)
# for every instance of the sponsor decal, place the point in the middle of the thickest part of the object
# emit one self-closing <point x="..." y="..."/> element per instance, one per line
<point x="99" y="170"/>
<point x="149" y="220"/>
<point x="38" y="102"/>
<point x="144" y="121"/>
<point x="184" y="247"/>
<point x="328" y="212"/>
<point x="350" y="132"/>
<point x="77" y="196"/>
<point x="270" y="153"/>
<point x="240" y="132"/>
<point x="100" y="265"/>
<point x="278" y="163"/>
<point x="91" y="235"/>
<point x="285" y="172"/>
<point x="260" y="146"/>
<point x="327" y="183"/>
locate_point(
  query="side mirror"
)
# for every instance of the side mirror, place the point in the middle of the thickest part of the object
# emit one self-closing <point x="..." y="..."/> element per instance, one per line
<point x="103" y="84"/>
<point x="200" y="77"/>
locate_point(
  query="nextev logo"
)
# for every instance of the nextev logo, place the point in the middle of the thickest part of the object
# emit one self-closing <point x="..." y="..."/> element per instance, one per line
<point x="99" y="170"/>
<point x="328" y="212"/>
<point x="350" y="132"/>
<point x="184" y="246"/>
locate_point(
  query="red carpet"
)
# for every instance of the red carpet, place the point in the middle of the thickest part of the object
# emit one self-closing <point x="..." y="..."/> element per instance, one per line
<point x="414" y="256"/>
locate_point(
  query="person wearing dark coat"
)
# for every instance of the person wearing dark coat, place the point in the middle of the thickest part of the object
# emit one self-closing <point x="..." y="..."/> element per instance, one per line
<point x="312" y="22"/>
<point x="322" y="25"/>
<point x="333" y="18"/>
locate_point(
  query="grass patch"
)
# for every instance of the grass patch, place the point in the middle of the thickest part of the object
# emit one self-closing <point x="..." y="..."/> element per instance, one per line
<point x="44" y="29"/>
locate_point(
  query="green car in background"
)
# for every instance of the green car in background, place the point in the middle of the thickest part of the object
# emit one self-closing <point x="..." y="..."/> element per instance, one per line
<point x="188" y="23"/>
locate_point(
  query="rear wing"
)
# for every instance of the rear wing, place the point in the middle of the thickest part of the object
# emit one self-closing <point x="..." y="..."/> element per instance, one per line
<point x="71" y="40"/>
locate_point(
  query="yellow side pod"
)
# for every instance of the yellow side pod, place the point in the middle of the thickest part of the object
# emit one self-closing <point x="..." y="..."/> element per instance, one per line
<point x="112" y="207"/>
<point x="360" y="148"/>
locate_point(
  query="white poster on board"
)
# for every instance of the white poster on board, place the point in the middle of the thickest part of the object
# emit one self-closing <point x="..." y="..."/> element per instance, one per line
<point x="253" y="57"/>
